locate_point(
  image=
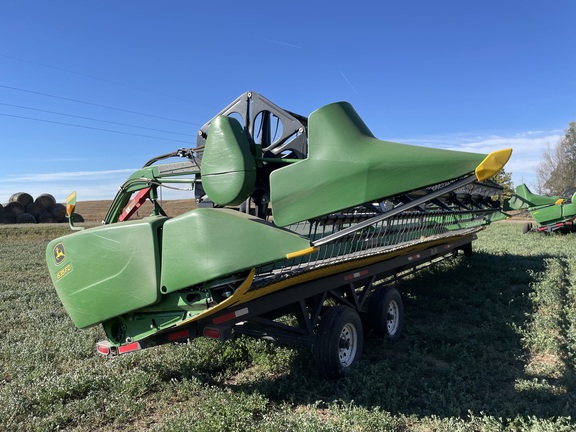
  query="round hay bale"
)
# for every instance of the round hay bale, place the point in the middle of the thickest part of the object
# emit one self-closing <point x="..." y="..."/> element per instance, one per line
<point x="35" y="209"/>
<point x="47" y="201"/>
<point x="78" y="218"/>
<point x="14" y="208"/>
<point x="6" y="218"/>
<point x="59" y="212"/>
<point x="47" y="217"/>
<point x="25" y="218"/>
<point x="21" y="197"/>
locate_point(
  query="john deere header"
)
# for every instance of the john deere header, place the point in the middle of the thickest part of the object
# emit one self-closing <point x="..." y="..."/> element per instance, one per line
<point x="277" y="196"/>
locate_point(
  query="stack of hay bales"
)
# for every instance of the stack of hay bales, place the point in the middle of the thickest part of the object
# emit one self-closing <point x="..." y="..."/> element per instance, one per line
<point x="23" y="208"/>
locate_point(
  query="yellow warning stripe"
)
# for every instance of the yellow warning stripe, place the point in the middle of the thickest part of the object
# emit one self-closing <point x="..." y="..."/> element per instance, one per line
<point x="230" y="301"/>
<point x="302" y="252"/>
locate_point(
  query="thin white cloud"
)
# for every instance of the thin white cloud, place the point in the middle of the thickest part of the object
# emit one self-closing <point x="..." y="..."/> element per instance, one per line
<point x="527" y="148"/>
<point x="282" y="43"/>
<point x="66" y="176"/>
<point x="90" y="185"/>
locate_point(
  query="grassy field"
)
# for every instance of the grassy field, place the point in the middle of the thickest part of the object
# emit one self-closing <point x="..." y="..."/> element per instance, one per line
<point x="489" y="345"/>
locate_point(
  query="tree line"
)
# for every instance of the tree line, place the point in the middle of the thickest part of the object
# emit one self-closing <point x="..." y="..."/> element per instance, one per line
<point x="556" y="173"/>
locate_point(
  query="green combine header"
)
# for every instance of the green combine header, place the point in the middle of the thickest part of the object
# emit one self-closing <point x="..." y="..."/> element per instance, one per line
<point x="551" y="213"/>
<point x="292" y="214"/>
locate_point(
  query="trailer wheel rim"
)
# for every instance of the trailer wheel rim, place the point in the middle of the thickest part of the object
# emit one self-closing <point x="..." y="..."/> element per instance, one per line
<point x="392" y="318"/>
<point x="348" y="345"/>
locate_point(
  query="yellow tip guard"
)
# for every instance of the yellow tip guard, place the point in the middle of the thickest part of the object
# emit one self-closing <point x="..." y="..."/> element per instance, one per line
<point x="70" y="207"/>
<point x="493" y="163"/>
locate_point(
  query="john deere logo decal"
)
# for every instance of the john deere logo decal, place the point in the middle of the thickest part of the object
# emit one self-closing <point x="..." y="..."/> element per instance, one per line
<point x="59" y="253"/>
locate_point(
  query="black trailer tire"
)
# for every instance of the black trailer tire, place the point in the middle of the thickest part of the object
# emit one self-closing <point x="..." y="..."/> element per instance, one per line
<point x="386" y="313"/>
<point x="526" y="227"/>
<point x="339" y="341"/>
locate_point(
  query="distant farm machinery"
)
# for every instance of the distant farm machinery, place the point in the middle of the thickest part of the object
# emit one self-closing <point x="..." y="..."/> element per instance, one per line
<point x="550" y="213"/>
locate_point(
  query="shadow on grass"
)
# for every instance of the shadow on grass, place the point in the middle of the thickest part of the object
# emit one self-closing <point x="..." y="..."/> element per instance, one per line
<point x="461" y="351"/>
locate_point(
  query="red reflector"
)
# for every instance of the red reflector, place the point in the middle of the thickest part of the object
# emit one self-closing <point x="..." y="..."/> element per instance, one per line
<point x="230" y="316"/>
<point x="212" y="332"/>
<point x="103" y="349"/>
<point x="182" y="334"/>
<point x="134" y="346"/>
<point x="224" y="318"/>
<point x="355" y="275"/>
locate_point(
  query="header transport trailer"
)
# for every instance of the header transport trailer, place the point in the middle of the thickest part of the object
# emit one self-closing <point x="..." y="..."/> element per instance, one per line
<point x="296" y="217"/>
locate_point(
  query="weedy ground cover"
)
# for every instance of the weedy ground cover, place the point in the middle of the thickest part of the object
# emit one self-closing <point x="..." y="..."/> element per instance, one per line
<point x="489" y="345"/>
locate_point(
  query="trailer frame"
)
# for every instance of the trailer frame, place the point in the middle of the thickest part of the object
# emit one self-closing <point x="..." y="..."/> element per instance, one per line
<point x="352" y="294"/>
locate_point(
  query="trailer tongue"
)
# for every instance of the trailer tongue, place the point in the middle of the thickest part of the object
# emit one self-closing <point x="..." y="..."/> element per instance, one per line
<point x="294" y="214"/>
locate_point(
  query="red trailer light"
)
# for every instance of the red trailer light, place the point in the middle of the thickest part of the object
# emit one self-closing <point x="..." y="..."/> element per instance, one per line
<point x="134" y="346"/>
<point x="182" y="334"/>
<point x="212" y="332"/>
<point x="103" y="349"/>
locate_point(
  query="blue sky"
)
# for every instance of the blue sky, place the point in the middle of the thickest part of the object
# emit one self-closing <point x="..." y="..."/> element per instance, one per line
<point x="137" y="78"/>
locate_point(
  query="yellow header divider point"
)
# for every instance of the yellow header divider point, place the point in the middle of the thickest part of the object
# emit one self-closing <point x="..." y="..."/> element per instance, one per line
<point x="493" y="163"/>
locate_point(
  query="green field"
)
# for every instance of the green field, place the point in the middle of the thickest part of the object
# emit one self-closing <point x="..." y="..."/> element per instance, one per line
<point x="489" y="345"/>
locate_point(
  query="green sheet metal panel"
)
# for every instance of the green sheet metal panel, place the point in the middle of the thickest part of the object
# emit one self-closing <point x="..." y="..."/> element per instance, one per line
<point x="205" y="244"/>
<point x="569" y="210"/>
<point x="348" y="166"/>
<point x="553" y="213"/>
<point x="228" y="168"/>
<point x="548" y="214"/>
<point x="524" y="198"/>
<point x="107" y="271"/>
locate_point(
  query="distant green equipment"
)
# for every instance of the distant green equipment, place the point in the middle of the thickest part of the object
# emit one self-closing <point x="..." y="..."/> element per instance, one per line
<point x="551" y="213"/>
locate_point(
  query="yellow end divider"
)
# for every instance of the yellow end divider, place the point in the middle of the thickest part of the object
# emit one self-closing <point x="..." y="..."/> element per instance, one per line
<point x="493" y="163"/>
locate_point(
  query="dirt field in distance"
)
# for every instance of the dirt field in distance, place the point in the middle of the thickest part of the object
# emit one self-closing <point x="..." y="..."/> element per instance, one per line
<point x="94" y="211"/>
